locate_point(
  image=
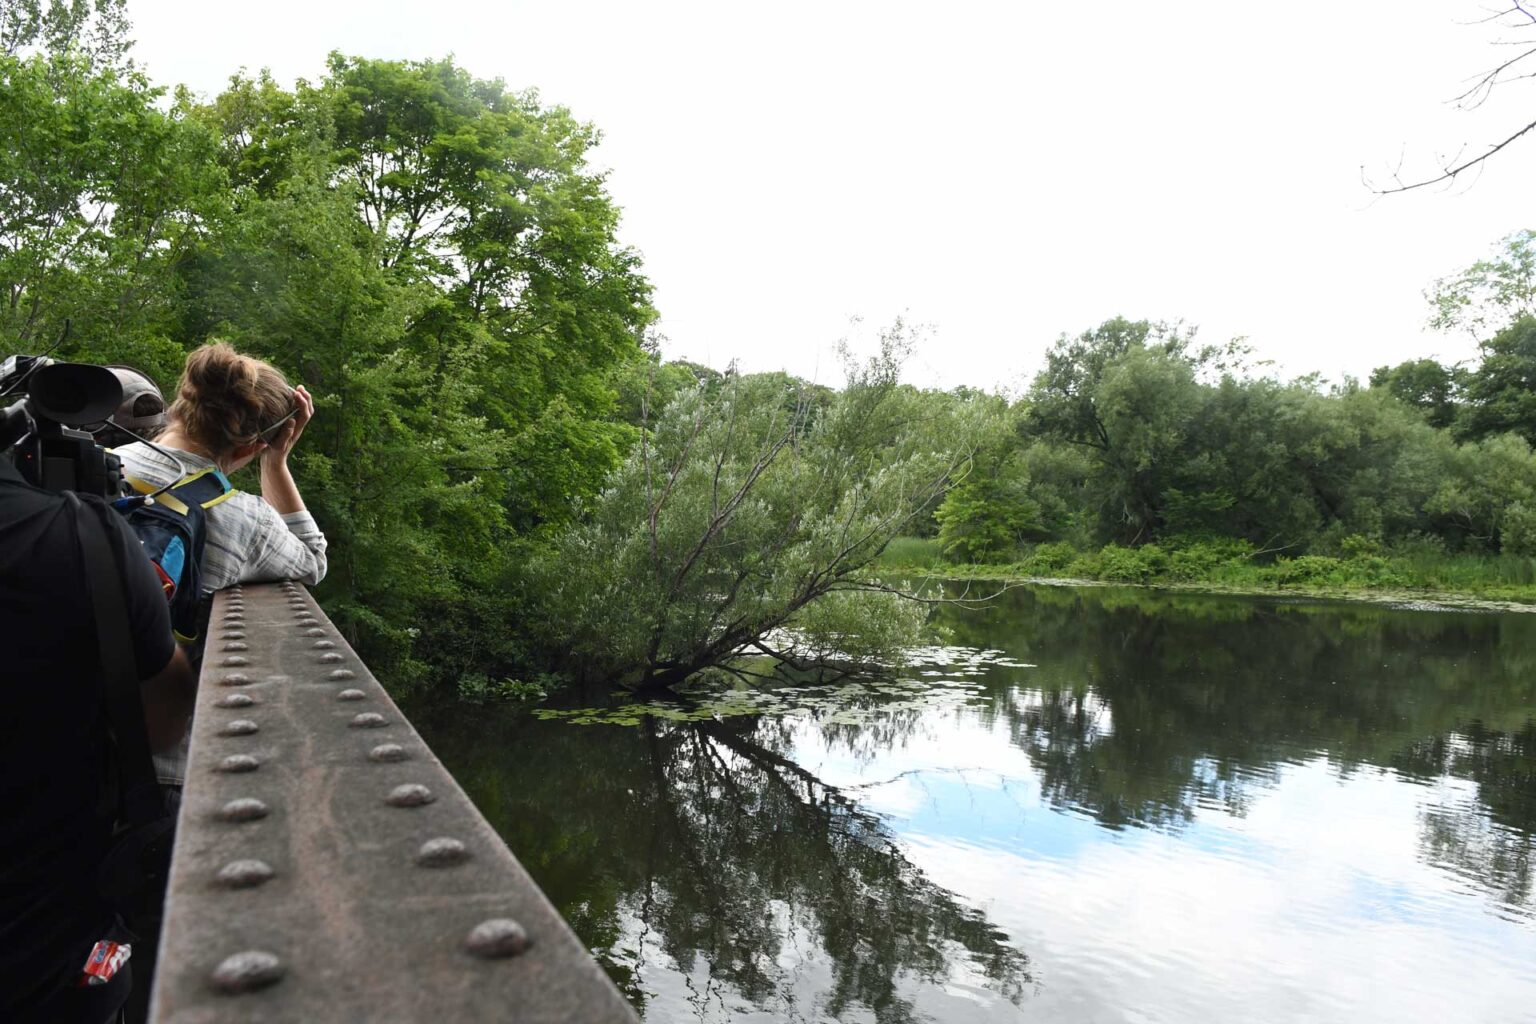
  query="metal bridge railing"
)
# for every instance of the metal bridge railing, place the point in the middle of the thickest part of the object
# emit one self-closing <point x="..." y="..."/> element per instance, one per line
<point x="328" y="868"/>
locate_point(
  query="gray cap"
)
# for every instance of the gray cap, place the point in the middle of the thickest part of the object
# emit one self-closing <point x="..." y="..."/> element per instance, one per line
<point x="142" y="409"/>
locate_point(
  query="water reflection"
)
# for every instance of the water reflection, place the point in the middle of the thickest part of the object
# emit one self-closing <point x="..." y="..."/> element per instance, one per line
<point x="703" y="846"/>
<point x="1487" y="841"/>
<point x="1208" y="695"/>
<point x="1137" y="807"/>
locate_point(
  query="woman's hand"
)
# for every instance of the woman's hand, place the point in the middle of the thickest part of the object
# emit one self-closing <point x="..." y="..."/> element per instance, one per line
<point x="279" y="447"/>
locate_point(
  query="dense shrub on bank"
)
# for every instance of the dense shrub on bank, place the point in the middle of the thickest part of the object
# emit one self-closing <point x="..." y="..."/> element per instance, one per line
<point x="1357" y="565"/>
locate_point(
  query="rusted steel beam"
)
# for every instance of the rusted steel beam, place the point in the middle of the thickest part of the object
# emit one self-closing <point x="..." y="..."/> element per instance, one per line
<point x="328" y="868"/>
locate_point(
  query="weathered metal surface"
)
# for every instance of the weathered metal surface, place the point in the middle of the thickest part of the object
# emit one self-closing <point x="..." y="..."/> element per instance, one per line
<point x="328" y="868"/>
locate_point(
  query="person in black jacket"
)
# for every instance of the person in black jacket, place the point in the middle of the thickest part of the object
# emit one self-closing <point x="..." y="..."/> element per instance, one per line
<point x="56" y="763"/>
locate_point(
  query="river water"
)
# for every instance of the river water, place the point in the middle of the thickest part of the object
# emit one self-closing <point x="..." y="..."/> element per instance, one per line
<point x="1091" y="804"/>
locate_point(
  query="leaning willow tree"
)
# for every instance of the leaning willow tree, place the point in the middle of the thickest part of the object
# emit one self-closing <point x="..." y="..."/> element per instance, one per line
<point x="747" y="523"/>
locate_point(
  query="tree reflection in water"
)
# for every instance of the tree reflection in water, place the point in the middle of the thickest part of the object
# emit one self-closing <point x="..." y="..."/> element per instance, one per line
<point x="750" y="874"/>
<point x="1149" y="706"/>
<point x="771" y="891"/>
<point x="754" y="831"/>
<point x="1488" y="842"/>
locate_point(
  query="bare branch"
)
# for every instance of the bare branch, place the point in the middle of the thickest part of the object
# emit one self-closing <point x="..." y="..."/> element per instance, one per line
<point x="1450" y="172"/>
<point x="1480" y="90"/>
<point x="1473" y="97"/>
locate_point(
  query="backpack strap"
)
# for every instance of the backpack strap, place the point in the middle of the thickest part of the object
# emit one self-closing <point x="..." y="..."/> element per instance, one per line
<point x="207" y="488"/>
<point x="141" y="797"/>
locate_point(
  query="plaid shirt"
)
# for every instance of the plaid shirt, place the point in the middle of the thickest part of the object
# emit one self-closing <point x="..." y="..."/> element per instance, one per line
<point x="248" y="542"/>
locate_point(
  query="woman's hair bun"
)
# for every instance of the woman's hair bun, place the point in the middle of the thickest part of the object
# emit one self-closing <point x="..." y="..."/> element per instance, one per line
<point x="217" y="369"/>
<point x="226" y="399"/>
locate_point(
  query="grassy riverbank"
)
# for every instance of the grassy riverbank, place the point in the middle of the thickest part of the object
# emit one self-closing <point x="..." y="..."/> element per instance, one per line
<point x="1360" y="570"/>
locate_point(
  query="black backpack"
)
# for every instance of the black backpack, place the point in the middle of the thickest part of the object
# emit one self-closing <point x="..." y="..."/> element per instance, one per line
<point x="172" y="524"/>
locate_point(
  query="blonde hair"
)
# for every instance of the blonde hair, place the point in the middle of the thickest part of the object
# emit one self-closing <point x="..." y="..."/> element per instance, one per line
<point x="226" y="399"/>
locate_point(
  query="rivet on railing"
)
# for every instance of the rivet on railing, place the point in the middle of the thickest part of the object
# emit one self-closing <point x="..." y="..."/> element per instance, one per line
<point x="238" y="763"/>
<point x="368" y="720"/>
<point x="234" y="634"/>
<point x="321" y="645"/>
<point x="235" y="679"/>
<point x="313" y="631"/>
<point x="236" y="659"/>
<point x="441" y="852"/>
<point x="236" y="645"/>
<point x="244" y="874"/>
<point x="235" y="700"/>
<point x="385" y="752"/>
<point x="239" y="727"/>
<point x="244" y="809"/>
<point x="247" y="972"/>
<point x="351" y="695"/>
<point x="412" y="794"/>
<point x="340" y="674"/>
<point x="498" y="937"/>
<point x="330" y="658"/>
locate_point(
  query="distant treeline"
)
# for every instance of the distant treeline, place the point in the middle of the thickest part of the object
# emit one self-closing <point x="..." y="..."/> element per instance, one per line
<point x="1133" y="435"/>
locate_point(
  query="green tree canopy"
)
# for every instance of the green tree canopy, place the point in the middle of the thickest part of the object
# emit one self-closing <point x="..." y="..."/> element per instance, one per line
<point x="1491" y="293"/>
<point x="748" y="520"/>
<point x="1425" y="384"/>
<point x="1501" y="392"/>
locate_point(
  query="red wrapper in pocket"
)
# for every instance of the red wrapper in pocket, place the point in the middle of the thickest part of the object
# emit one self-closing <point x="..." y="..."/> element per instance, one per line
<point x="105" y="960"/>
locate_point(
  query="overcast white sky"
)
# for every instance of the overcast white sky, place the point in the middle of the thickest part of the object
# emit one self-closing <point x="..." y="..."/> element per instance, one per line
<point x="1003" y="172"/>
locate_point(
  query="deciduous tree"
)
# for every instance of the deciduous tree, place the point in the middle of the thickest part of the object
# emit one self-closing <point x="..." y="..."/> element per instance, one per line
<point x="748" y="521"/>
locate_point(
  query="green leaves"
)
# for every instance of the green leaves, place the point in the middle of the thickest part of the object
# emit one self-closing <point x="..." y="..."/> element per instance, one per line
<point x="1490" y="294"/>
<point x="1501" y="393"/>
<point x="428" y="251"/>
<point x="747" y="519"/>
<point x="92" y="31"/>
<point x="101" y="192"/>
